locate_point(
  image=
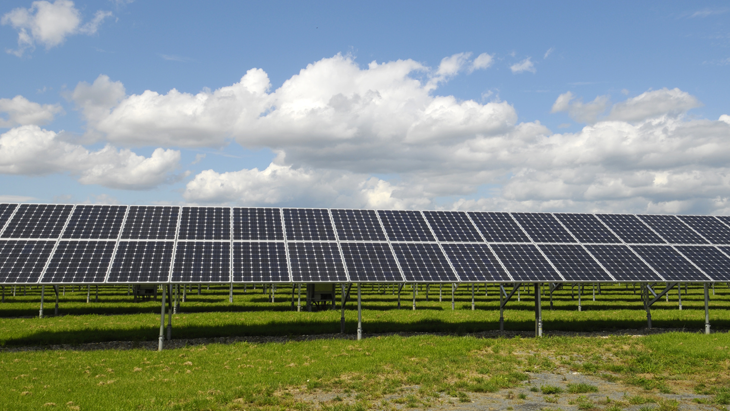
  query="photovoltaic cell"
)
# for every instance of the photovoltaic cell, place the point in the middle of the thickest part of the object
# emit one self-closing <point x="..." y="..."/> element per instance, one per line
<point x="710" y="260"/>
<point x="669" y="263"/>
<point x="405" y="226"/>
<point x="260" y="262"/>
<point x="574" y="263"/>
<point x="95" y="222"/>
<point x="622" y="263"/>
<point x="22" y="262"/>
<point x="724" y="218"/>
<point x="79" y="262"/>
<point x="424" y="263"/>
<point x="452" y="226"/>
<point x="357" y="225"/>
<point x="316" y="263"/>
<point x="202" y="262"/>
<point x="475" y="262"/>
<point x="142" y="262"/>
<point x="205" y="223"/>
<point x="587" y="228"/>
<point x="498" y="227"/>
<point x="710" y="228"/>
<point x="672" y="229"/>
<point x="151" y="223"/>
<point x="38" y="221"/>
<point x="543" y="228"/>
<point x="308" y="224"/>
<point x="525" y="263"/>
<point x="630" y="229"/>
<point x="6" y="210"/>
<point x="257" y="224"/>
<point x="370" y="262"/>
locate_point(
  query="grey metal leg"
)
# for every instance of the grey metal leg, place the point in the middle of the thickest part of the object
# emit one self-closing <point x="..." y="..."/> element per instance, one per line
<point x="230" y="294"/>
<point x="400" y="287"/>
<point x="299" y="297"/>
<point x="707" y="309"/>
<point x="177" y="298"/>
<point x="161" y="339"/>
<point x="55" y="312"/>
<point x="359" y="313"/>
<point x="453" y="290"/>
<point x="580" y="291"/>
<point x="538" y="311"/>
<point x="43" y="290"/>
<point x="427" y="290"/>
<point x="472" y="296"/>
<point x="88" y="294"/>
<point x="96" y="299"/>
<point x="501" y="310"/>
<point x="594" y="291"/>
<point x="414" y="297"/>
<point x="273" y="293"/>
<point x="679" y="294"/>
<point x="169" y="316"/>
<point x="441" y="287"/>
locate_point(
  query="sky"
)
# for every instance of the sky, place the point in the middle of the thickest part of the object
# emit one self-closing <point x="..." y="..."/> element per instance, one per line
<point x="517" y="106"/>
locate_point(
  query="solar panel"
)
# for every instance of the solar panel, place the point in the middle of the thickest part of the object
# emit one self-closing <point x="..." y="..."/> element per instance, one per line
<point x="202" y="262"/>
<point x="79" y="262"/>
<point x="543" y="228"/>
<point x="257" y="224"/>
<point x="370" y="262"/>
<point x="710" y="260"/>
<point x="316" y="263"/>
<point x="38" y="221"/>
<point x="587" y="228"/>
<point x="669" y="263"/>
<point x="475" y="262"/>
<point x="709" y="227"/>
<point x="574" y="263"/>
<point x="357" y="225"/>
<point x="498" y="227"/>
<point x="308" y="224"/>
<point x="452" y="226"/>
<point x="205" y="223"/>
<point x="424" y="263"/>
<point x="622" y="263"/>
<point x="260" y="262"/>
<point x="151" y="223"/>
<point x="672" y="229"/>
<point x="95" y="222"/>
<point x="724" y="218"/>
<point x="405" y="226"/>
<point x="6" y="210"/>
<point x="524" y="262"/>
<point x="630" y="229"/>
<point x="142" y="262"/>
<point x="22" y="262"/>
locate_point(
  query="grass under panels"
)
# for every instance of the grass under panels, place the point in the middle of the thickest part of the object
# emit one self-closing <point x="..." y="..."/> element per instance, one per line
<point x="117" y="318"/>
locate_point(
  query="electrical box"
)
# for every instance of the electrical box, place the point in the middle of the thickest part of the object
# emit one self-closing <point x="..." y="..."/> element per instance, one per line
<point x="320" y="294"/>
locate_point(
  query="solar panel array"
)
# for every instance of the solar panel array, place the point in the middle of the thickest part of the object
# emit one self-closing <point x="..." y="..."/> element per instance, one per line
<point x="93" y="244"/>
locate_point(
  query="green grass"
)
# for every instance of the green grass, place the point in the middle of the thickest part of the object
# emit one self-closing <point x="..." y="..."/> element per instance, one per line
<point x="550" y="389"/>
<point x="581" y="388"/>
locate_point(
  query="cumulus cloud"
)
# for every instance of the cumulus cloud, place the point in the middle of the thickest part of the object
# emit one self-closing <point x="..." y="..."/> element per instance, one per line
<point x="31" y="150"/>
<point x="49" y="24"/>
<point x="481" y="62"/>
<point x="523" y="66"/>
<point x="20" y="111"/>
<point x="579" y="111"/>
<point x="654" y="103"/>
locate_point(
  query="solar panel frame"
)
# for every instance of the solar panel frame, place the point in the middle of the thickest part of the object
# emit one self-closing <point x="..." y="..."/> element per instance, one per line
<point x="518" y="271"/>
<point x="406" y="225"/>
<point x="452" y="226"/>
<point x="626" y="260"/>
<point x="37" y="266"/>
<point x="674" y="269"/>
<point x="631" y="230"/>
<point x="509" y="231"/>
<point x="22" y="219"/>
<point x="708" y="227"/>
<point x="587" y="228"/>
<point x="68" y="264"/>
<point x="7" y="211"/>
<point x="265" y="222"/>
<point x="275" y="251"/>
<point x="219" y="229"/>
<point x="160" y="276"/>
<point x="364" y="229"/>
<point x="543" y="228"/>
<point x="187" y="268"/>
<point x="78" y="228"/>
<point x="672" y="229"/>
<point x="575" y="263"/>
<point x="308" y="224"/>
<point x="325" y="252"/>
<point x="139" y="228"/>
<point x="711" y="260"/>
<point x="379" y="256"/>
<point x="430" y="249"/>
<point x="473" y="268"/>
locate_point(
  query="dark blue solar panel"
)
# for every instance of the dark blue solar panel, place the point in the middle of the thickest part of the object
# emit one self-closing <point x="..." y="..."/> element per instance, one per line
<point x="6" y="210"/>
<point x="622" y="263"/>
<point x="260" y="262"/>
<point x="316" y="263"/>
<point x="709" y="227"/>
<point x="525" y="263"/>
<point x="142" y="262"/>
<point x="587" y="228"/>
<point x="95" y="222"/>
<point x="370" y="262"/>
<point x="424" y="263"/>
<point x="452" y="226"/>
<point x="358" y="225"/>
<point x="79" y="262"/>
<point x="710" y="260"/>
<point x="543" y="228"/>
<point x="257" y="224"/>
<point x="205" y="223"/>
<point x="475" y="262"/>
<point x="630" y="229"/>
<point x="672" y="229"/>
<point x="574" y="263"/>
<point x="669" y="263"/>
<point x="38" y="221"/>
<point x="498" y="227"/>
<point x="202" y="262"/>
<point x="405" y="226"/>
<point x="308" y="224"/>
<point x="23" y="261"/>
<point x="151" y="223"/>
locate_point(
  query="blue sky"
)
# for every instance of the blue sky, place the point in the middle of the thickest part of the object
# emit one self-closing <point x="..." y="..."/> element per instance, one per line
<point x="582" y="106"/>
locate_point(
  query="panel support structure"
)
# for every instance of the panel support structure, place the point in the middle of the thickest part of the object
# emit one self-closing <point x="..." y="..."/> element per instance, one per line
<point x="538" y="310"/>
<point x="359" y="313"/>
<point x="161" y="339"/>
<point x="503" y="301"/>
<point x="707" y="308"/>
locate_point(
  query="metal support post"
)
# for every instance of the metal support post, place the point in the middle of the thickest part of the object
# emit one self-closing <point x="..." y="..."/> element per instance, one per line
<point x="538" y="311"/>
<point x="441" y="287"/>
<point x="427" y="290"/>
<point x="299" y="297"/>
<point x="679" y="294"/>
<point x="472" y="296"/>
<point x="594" y="291"/>
<point x="647" y="306"/>
<point x="453" y="291"/>
<point x="199" y="286"/>
<point x="169" y="316"/>
<point x="64" y="291"/>
<point x="580" y="290"/>
<point x="309" y="299"/>
<point x="342" y="306"/>
<point x="414" y="297"/>
<point x="359" y="313"/>
<point x="400" y="287"/>
<point x="177" y="298"/>
<point x="185" y="292"/>
<point x="88" y="293"/>
<point x="55" y="311"/>
<point x="230" y="294"/>
<point x="273" y="293"/>
<point x="501" y="310"/>
<point x="96" y="299"/>
<point x="161" y="339"/>
<point x="518" y="292"/>
<point x="707" y="309"/>
<point x="43" y="290"/>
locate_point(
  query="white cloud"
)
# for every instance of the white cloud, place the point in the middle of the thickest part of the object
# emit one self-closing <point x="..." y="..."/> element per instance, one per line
<point x="708" y="12"/>
<point x="30" y="150"/>
<point x="522" y="66"/>
<point x="49" y="24"/>
<point x="481" y="62"/>
<point x="725" y="118"/>
<point x="21" y="111"/>
<point x="579" y="111"/>
<point x="548" y="52"/>
<point x="654" y="103"/>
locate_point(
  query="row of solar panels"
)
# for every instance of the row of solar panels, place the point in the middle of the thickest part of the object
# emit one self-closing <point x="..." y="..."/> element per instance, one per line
<point x="57" y="244"/>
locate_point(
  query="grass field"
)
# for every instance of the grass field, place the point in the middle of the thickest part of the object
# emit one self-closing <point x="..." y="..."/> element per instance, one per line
<point x="381" y="372"/>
